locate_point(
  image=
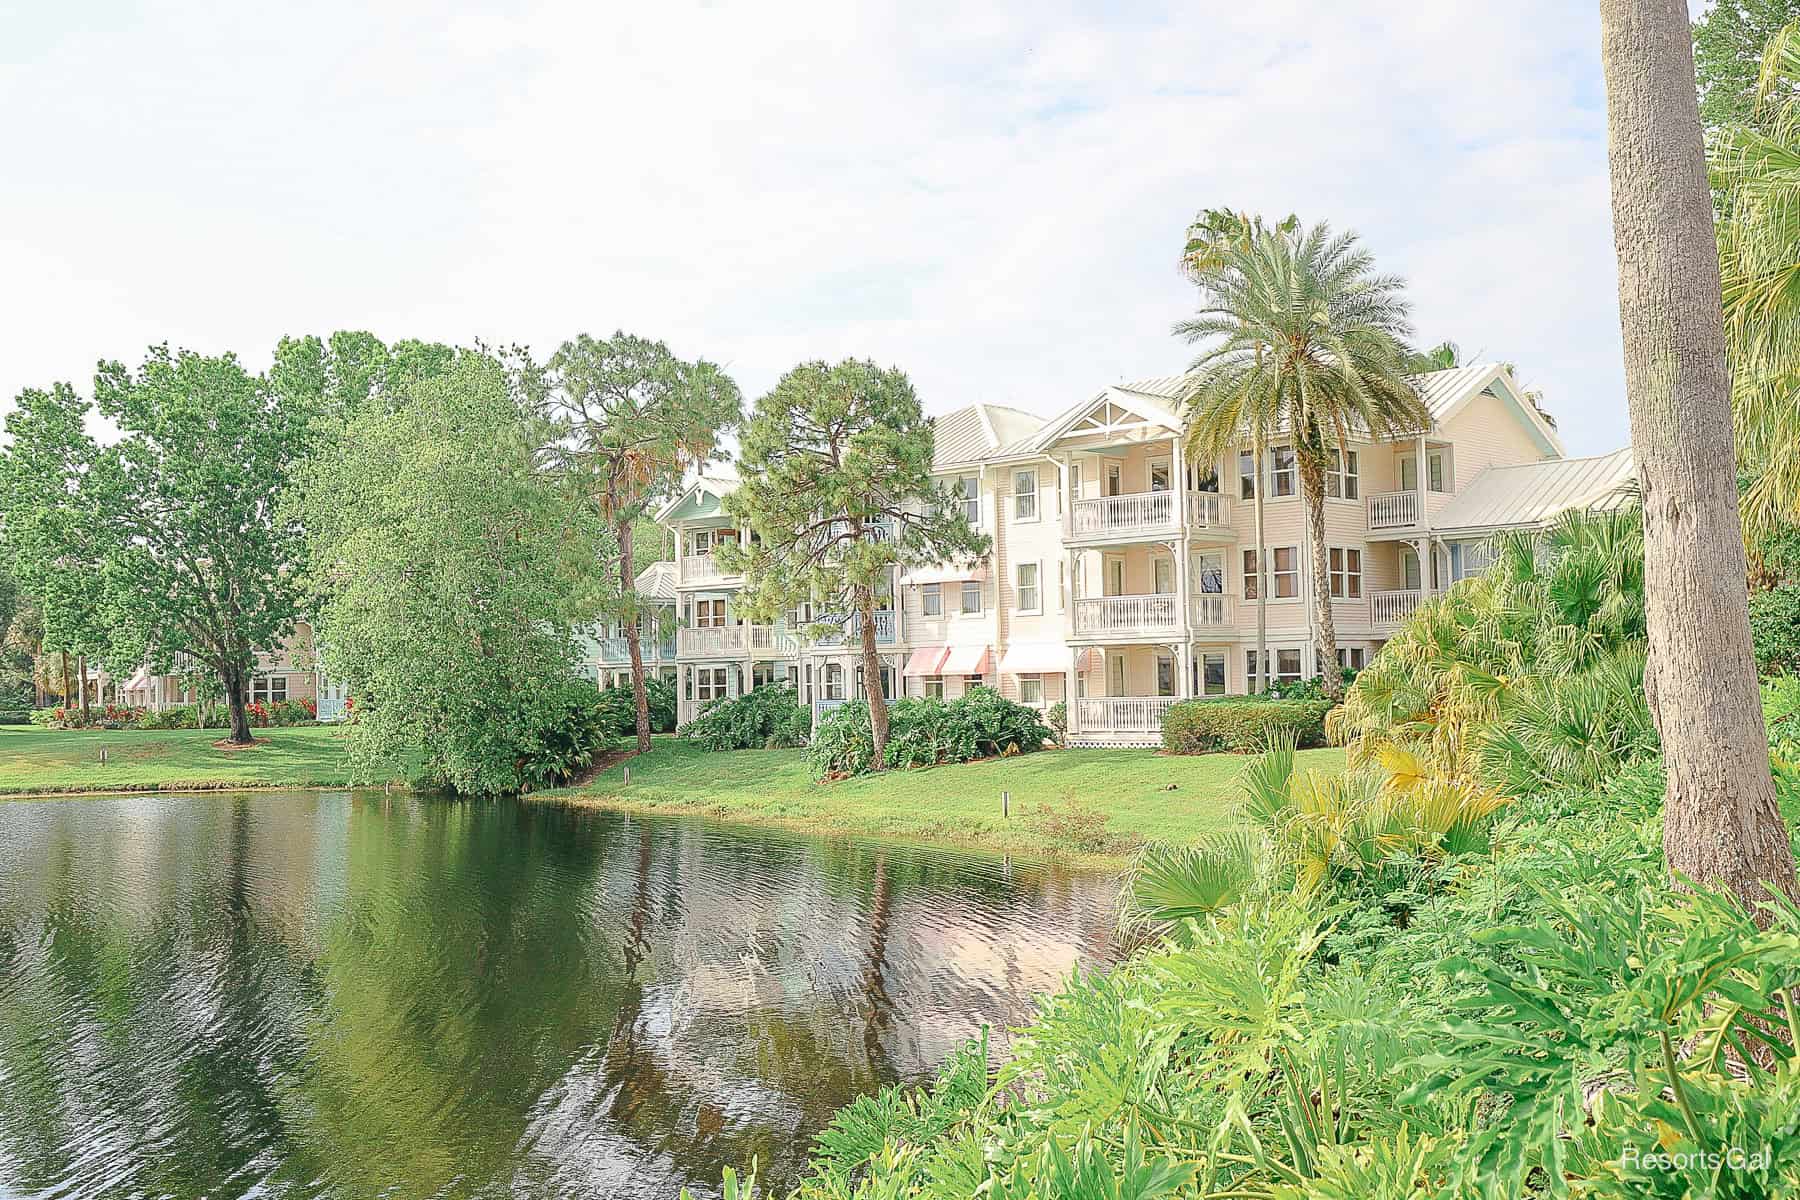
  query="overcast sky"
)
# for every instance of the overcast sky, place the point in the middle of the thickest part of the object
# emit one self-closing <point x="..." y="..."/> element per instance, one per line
<point x="990" y="196"/>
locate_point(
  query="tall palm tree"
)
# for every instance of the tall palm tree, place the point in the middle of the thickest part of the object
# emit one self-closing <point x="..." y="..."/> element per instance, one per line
<point x="1721" y="824"/>
<point x="1757" y="173"/>
<point x="1303" y="335"/>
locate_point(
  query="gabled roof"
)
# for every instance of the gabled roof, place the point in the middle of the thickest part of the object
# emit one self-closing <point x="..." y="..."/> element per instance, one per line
<point x="1446" y="393"/>
<point x="657" y="582"/>
<point x="1531" y="494"/>
<point x="973" y="434"/>
<point x="1149" y="401"/>
<point x="701" y="497"/>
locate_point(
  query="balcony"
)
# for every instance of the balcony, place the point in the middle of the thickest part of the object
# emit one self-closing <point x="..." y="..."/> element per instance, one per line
<point x="851" y="633"/>
<point x="1211" y="610"/>
<point x="1144" y="514"/>
<point x="1127" y="615"/>
<point x="1122" y="715"/>
<point x="1393" y="510"/>
<point x="759" y="641"/>
<point x="701" y="569"/>
<point x="614" y="650"/>
<point x="1385" y="608"/>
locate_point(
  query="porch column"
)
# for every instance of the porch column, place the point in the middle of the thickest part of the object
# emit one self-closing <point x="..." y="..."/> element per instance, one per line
<point x="1184" y="663"/>
<point x="1419" y="458"/>
<point x="1182" y="554"/>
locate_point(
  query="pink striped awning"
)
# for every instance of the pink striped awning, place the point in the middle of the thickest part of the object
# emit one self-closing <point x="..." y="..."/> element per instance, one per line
<point x="967" y="660"/>
<point x="926" y="660"/>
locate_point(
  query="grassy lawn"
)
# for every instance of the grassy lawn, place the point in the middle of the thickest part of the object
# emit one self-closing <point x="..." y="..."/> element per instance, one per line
<point x="1058" y="796"/>
<point x="60" y="760"/>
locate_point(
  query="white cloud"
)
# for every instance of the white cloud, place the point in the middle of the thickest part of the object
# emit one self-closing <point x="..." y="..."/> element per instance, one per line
<point x="991" y="196"/>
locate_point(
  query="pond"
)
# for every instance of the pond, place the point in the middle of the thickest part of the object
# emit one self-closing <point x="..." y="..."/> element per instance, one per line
<point x="343" y="994"/>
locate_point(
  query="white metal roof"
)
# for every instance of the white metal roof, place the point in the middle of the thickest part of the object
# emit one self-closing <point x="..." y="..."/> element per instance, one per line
<point x="657" y="582"/>
<point x="973" y="434"/>
<point x="1534" y="493"/>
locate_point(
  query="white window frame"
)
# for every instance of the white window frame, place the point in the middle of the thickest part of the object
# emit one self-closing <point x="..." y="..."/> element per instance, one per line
<point x="1031" y="690"/>
<point x="968" y="487"/>
<point x="263" y="689"/>
<point x="1208" y="658"/>
<point x="1247" y="479"/>
<point x="1351" y="658"/>
<point x="710" y="683"/>
<point x="931" y="599"/>
<point x="831" y="681"/>
<point x="1280" y="477"/>
<point x="934" y="687"/>
<point x="1437" y="471"/>
<point x="1029" y="596"/>
<point x="1074" y="481"/>
<point x="1158" y="564"/>
<point x="701" y="621"/>
<point x="1167" y="467"/>
<point x="1291" y="575"/>
<point x="1168" y="678"/>
<point x="1345" y="569"/>
<point x="971" y="589"/>
<point x="1343" y="476"/>
<point x="1025" y="500"/>
<point x="1283" y="675"/>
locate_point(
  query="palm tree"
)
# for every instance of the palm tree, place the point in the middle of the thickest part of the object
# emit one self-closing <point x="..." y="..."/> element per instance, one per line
<point x="1757" y="171"/>
<point x="1721" y="824"/>
<point x="1306" y="338"/>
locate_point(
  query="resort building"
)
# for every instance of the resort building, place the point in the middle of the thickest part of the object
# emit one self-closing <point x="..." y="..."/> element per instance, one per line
<point x="606" y="659"/>
<point x="289" y="671"/>
<point x="1123" y="578"/>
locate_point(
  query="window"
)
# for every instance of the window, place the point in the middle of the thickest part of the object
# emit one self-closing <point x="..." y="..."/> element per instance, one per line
<point x="834" y="681"/>
<point x="709" y="614"/>
<point x="1074" y="481"/>
<point x="1209" y="572"/>
<point x="931" y="600"/>
<point x="1287" y="666"/>
<point x="1163" y="576"/>
<point x="700" y="541"/>
<point x="1246" y="474"/>
<point x="1160" y="475"/>
<point x="1250" y="574"/>
<point x="1346" y="573"/>
<point x="1165" y="675"/>
<point x="1115" y="577"/>
<point x="709" y="683"/>
<point x="1409" y="474"/>
<point x="1350" y="658"/>
<point x="1062" y="586"/>
<point x="1341" y="476"/>
<point x="968" y="487"/>
<point x="1030" y="598"/>
<point x="269" y="689"/>
<point x="1409" y="570"/>
<point x="1115" y="674"/>
<point x="1285" y="566"/>
<point x="971" y="596"/>
<point x="934" y="687"/>
<point x="1031" y="689"/>
<point x="973" y="681"/>
<point x="1434" y="470"/>
<point x="1212" y="674"/>
<point x="1025" y="495"/>
<point x="1203" y="478"/>
<point x="1115" y="478"/>
<point x="1281" y="471"/>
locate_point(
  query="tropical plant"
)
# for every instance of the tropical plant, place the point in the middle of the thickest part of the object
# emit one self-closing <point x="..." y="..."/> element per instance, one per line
<point x="925" y="732"/>
<point x="1307" y="338"/>
<point x="839" y="496"/>
<point x="619" y="705"/>
<point x="764" y="718"/>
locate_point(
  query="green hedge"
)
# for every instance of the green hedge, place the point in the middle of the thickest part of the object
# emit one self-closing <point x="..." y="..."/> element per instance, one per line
<point x="764" y="718"/>
<point x="15" y="716"/>
<point x="1241" y="726"/>
<point x="923" y="732"/>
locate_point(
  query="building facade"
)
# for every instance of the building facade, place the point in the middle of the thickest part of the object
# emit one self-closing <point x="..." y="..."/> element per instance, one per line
<point x="1123" y="576"/>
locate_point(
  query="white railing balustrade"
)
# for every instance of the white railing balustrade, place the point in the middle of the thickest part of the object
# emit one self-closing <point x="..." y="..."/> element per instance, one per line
<point x="852" y="631"/>
<point x="1393" y="510"/>
<point x="1128" y="614"/>
<point x="772" y="639"/>
<point x="1209" y="510"/>
<point x="1211" y="610"/>
<point x="711" y="639"/>
<point x="1122" y="514"/>
<point x="1392" y="606"/>
<point x="1122" y="714"/>
<point x="702" y="568"/>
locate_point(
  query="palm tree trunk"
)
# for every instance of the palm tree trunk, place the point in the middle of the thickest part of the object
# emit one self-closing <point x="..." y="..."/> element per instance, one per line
<point x="1721" y="824"/>
<point x="1312" y="488"/>
<point x="640" y="695"/>
<point x="1259" y="678"/>
<point x="878" y="713"/>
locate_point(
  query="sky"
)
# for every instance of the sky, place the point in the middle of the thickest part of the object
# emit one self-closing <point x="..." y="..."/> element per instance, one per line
<point x="992" y="197"/>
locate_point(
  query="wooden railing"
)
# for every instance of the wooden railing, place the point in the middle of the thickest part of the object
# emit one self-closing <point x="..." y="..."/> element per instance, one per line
<point x="702" y="568"/>
<point x="735" y="639"/>
<point x="1393" y="510"/>
<point x="1122" y="714"/>
<point x="1391" y="606"/>
<point x="1130" y="513"/>
<point x="1128" y="614"/>
<point x="614" y="649"/>
<point x="1209" y="510"/>
<point x="852" y="630"/>
<point x="772" y="640"/>
<point x="1211" y="610"/>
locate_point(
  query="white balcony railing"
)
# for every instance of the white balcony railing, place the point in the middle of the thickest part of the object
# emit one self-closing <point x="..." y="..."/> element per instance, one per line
<point x="1122" y="714"/>
<point x="702" y="568"/>
<point x="1131" y="513"/>
<point x="1211" y="610"/>
<point x="852" y="631"/>
<point x="710" y="639"/>
<point x="1128" y="614"/>
<point x="773" y="640"/>
<point x="1209" y="510"/>
<point x="1392" y="606"/>
<point x="1393" y="510"/>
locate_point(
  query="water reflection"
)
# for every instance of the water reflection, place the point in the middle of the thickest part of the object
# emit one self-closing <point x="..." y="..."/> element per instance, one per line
<point x="349" y="995"/>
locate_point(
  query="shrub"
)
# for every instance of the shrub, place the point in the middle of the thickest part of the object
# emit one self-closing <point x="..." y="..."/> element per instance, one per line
<point x="1242" y="726"/>
<point x="764" y="718"/>
<point x="15" y="716"/>
<point x="293" y="712"/>
<point x="185" y="716"/>
<point x="620" y="707"/>
<point x="1775" y="628"/>
<point x="565" y="730"/>
<point x="981" y="723"/>
<point x="1057" y="718"/>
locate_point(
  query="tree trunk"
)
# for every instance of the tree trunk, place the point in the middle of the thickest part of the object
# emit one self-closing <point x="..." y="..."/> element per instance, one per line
<point x="235" y="686"/>
<point x="878" y="714"/>
<point x="1312" y="488"/>
<point x="65" y="675"/>
<point x="1720" y="822"/>
<point x="81" y="685"/>
<point x="640" y="695"/>
<point x="1259" y="678"/>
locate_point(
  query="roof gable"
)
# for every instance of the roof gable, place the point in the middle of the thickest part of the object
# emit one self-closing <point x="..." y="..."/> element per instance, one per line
<point x="1446" y="393"/>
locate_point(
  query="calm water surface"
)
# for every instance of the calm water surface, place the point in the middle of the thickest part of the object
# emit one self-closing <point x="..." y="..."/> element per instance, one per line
<point x="346" y="995"/>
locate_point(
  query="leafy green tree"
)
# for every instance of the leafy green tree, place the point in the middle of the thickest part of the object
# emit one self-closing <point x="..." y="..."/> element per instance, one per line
<point x="351" y="368"/>
<point x="629" y="419"/>
<point x="1304" y="336"/>
<point x="838" y="493"/>
<point x="1728" y="49"/>
<point x="447" y="570"/>
<point x="188" y="497"/>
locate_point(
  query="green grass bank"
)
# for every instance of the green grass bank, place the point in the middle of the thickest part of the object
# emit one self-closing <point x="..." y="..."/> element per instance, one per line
<point x="45" y="761"/>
